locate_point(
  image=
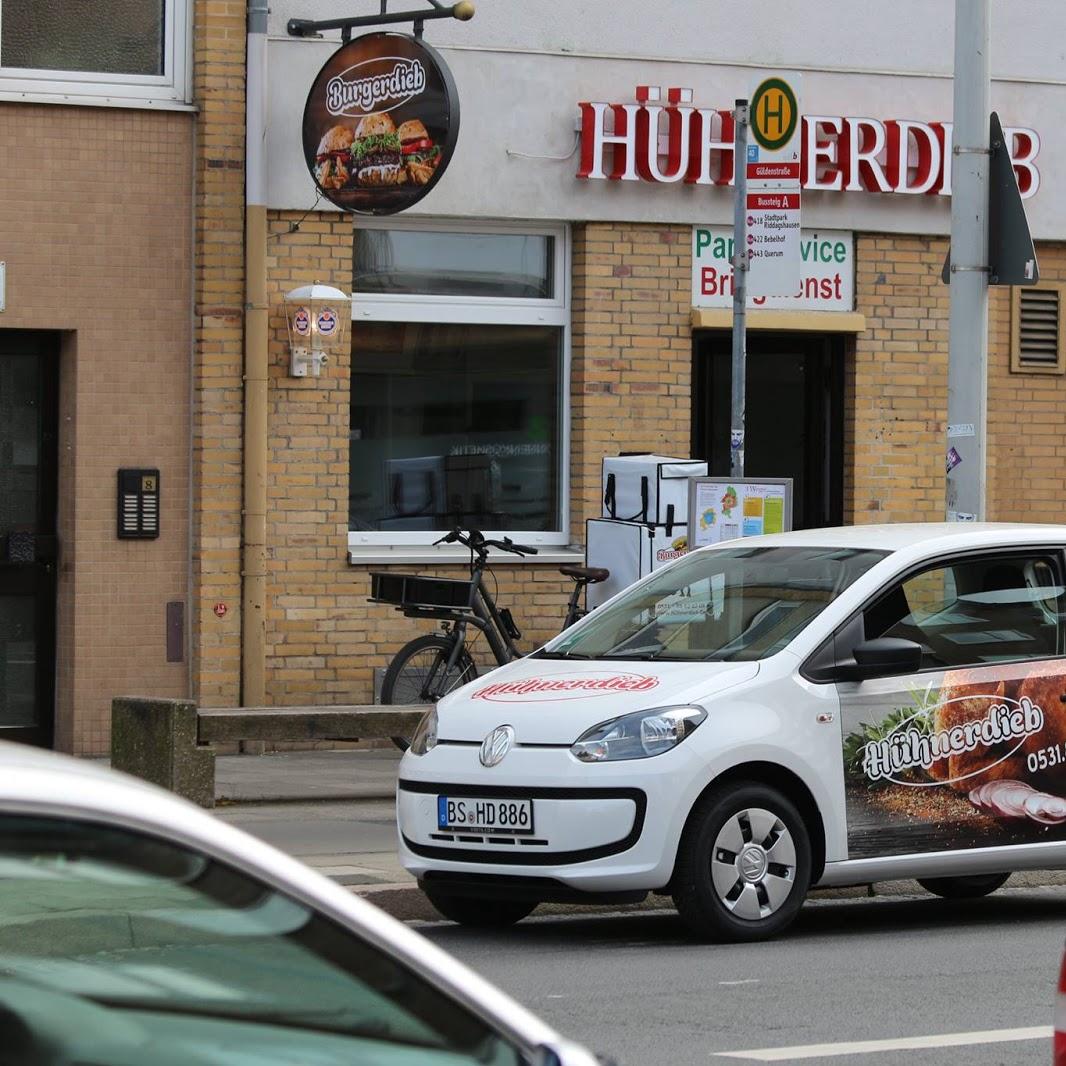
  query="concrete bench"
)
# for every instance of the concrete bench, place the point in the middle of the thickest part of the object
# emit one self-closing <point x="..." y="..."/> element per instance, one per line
<point x="168" y="741"/>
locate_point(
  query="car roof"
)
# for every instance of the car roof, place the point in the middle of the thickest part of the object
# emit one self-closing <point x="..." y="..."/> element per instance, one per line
<point x="931" y="537"/>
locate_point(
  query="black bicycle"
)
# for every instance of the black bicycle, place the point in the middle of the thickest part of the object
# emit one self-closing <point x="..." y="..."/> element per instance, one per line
<point x="429" y="667"/>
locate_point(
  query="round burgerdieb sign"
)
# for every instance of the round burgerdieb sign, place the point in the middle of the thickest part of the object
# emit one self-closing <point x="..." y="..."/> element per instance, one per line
<point x="380" y="123"/>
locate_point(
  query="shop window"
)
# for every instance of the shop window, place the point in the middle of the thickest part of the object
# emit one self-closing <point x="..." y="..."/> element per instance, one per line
<point x="1037" y="341"/>
<point x="434" y="263"/>
<point x="125" y="51"/>
<point x="458" y="384"/>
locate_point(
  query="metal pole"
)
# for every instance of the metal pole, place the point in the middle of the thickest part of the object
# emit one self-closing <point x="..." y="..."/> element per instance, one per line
<point x="740" y="289"/>
<point x="968" y="344"/>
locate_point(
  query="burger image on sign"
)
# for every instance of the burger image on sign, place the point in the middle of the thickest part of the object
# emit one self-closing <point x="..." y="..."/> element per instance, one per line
<point x="380" y="123"/>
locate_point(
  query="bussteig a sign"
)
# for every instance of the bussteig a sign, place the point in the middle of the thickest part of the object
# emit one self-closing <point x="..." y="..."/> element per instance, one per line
<point x="380" y="123"/>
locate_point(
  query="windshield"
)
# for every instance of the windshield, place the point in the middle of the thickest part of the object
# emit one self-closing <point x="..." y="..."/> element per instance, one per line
<point x="724" y="604"/>
<point x="121" y="948"/>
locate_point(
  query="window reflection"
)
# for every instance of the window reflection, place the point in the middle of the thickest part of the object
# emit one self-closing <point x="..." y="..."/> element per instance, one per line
<point x="455" y="425"/>
<point x="443" y="263"/>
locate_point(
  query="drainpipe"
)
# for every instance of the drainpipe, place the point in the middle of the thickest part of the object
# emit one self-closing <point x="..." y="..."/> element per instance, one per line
<point x="253" y="546"/>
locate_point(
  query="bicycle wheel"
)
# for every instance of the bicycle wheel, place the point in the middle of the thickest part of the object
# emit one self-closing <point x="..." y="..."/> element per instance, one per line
<point x="419" y="674"/>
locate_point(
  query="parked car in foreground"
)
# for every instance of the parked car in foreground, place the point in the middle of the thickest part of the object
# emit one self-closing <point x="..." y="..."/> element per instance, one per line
<point x="826" y="707"/>
<point x="135" y="928"/>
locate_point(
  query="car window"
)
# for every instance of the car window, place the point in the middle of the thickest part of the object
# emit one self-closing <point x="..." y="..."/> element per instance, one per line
<point x="121" y="948"/>
<point x="992" y="609"/>
<point x="726" y="604"/>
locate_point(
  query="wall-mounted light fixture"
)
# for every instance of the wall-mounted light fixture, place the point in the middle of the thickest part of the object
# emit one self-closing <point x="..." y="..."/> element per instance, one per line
<point x="319" y="318"/>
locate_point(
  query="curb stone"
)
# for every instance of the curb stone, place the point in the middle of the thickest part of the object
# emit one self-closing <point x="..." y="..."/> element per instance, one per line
<point x="407" y="903"/>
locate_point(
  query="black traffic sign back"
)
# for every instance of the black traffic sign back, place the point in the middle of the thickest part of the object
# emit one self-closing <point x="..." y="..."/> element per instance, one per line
<point x="1011" y="255"/>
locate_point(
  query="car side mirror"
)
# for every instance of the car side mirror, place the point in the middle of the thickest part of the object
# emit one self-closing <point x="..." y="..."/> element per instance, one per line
<point x="881" y="657"/>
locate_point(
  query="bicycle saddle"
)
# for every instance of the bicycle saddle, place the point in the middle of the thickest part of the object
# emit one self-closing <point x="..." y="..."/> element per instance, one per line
<point x="592" y="574"/>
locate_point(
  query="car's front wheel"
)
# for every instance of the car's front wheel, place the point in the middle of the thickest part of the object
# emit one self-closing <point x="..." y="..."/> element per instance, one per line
<point x="743" y="865"/>
<point x="477" y="911"/>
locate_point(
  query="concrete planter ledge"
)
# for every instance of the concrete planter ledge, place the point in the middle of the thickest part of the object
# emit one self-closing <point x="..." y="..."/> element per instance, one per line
<point x="168" y="741"/>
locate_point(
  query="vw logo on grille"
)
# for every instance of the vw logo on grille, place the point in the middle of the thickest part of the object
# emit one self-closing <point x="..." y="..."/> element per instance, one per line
<point x="496" y="745"/>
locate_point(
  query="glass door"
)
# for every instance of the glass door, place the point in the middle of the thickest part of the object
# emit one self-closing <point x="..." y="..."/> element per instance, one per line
<point x="28" y="482"/>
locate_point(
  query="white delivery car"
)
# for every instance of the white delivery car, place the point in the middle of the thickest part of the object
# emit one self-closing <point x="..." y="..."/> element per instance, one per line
<point x="827" y="707"/>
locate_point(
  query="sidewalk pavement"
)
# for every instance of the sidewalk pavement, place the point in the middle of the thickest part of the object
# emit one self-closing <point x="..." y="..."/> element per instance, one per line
<point x="335" y="811"/>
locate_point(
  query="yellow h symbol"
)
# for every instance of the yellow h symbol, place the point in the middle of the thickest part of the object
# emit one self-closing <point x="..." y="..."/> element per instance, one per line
<point x="777" y="113"/>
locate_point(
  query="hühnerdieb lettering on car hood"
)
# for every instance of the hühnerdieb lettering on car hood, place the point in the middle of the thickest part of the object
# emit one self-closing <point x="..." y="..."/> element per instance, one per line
<point x="553" y="701"/>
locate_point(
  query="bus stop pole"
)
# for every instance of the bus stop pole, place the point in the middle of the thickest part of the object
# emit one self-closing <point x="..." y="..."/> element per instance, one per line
<point x="740" y="289"/>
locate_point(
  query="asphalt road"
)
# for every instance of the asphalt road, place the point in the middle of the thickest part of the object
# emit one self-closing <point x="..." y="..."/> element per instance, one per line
<point x="635" y="988"/>
<point x="352" y="842"/>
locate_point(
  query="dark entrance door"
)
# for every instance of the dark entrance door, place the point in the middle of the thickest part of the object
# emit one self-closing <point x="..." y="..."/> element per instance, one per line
<point x="794" y="417"/>
<point x="28" y="458"/>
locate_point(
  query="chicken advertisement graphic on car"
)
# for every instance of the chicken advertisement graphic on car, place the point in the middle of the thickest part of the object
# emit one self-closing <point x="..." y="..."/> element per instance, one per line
<point x="969" y="757"/>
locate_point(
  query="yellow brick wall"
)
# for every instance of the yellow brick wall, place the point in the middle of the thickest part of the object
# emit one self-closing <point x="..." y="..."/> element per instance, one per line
<point x="632" y="351"/>
<point x="313" y="653"/>
<point x="1026" y="414"/>
<point x="218" y="308"/>
<point x="324" y="639"/>
<point x="630" y="390"/>
<point x="896" y="385"/>
<point x="896" y="418"/>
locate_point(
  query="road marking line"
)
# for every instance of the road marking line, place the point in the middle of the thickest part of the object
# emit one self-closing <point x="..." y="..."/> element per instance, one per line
<point x="746" y="981"/>
<point x="903" y="1043"/>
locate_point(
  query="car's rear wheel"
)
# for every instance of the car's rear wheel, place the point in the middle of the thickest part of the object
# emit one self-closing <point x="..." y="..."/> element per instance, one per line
<point x="743" y="865"/>
<point x="969" y="887"/>
<point x="478" y="911"/>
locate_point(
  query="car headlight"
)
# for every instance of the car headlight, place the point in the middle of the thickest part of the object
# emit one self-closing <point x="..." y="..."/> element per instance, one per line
<point x="425" y="738"/>
<point x="639" y="735"/>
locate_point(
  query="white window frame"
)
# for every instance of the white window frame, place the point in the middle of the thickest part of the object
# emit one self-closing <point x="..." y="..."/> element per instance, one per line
<point x="170" y="91"/>
<point x="476" y="310"/>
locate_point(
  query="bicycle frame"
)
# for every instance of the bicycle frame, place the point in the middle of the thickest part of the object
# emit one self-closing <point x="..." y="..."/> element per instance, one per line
<point x="484" y="615"/>
<point x="488" y="620"/>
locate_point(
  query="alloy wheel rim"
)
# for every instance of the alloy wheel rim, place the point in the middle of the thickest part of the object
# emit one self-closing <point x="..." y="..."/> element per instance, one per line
<point x="753" y="864"/>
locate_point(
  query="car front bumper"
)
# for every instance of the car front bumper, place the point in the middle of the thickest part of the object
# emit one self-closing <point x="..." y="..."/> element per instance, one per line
<point x="598" y="828"/>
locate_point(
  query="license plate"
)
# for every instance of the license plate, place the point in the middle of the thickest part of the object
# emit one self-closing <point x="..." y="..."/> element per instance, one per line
<point x="472" y="815"/>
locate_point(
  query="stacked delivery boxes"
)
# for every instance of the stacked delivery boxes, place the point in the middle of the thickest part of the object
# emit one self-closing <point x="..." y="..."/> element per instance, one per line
<point x="644" y="524"/>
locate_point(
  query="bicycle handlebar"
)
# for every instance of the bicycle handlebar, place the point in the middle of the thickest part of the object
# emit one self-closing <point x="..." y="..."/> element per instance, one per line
<point x="509" y="545"/>
<point x="479" y="544"/>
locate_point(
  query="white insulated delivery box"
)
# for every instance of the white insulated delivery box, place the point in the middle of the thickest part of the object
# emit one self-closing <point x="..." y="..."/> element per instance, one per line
<point x="648" y="488"/>
<point x="630" y="550"/>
